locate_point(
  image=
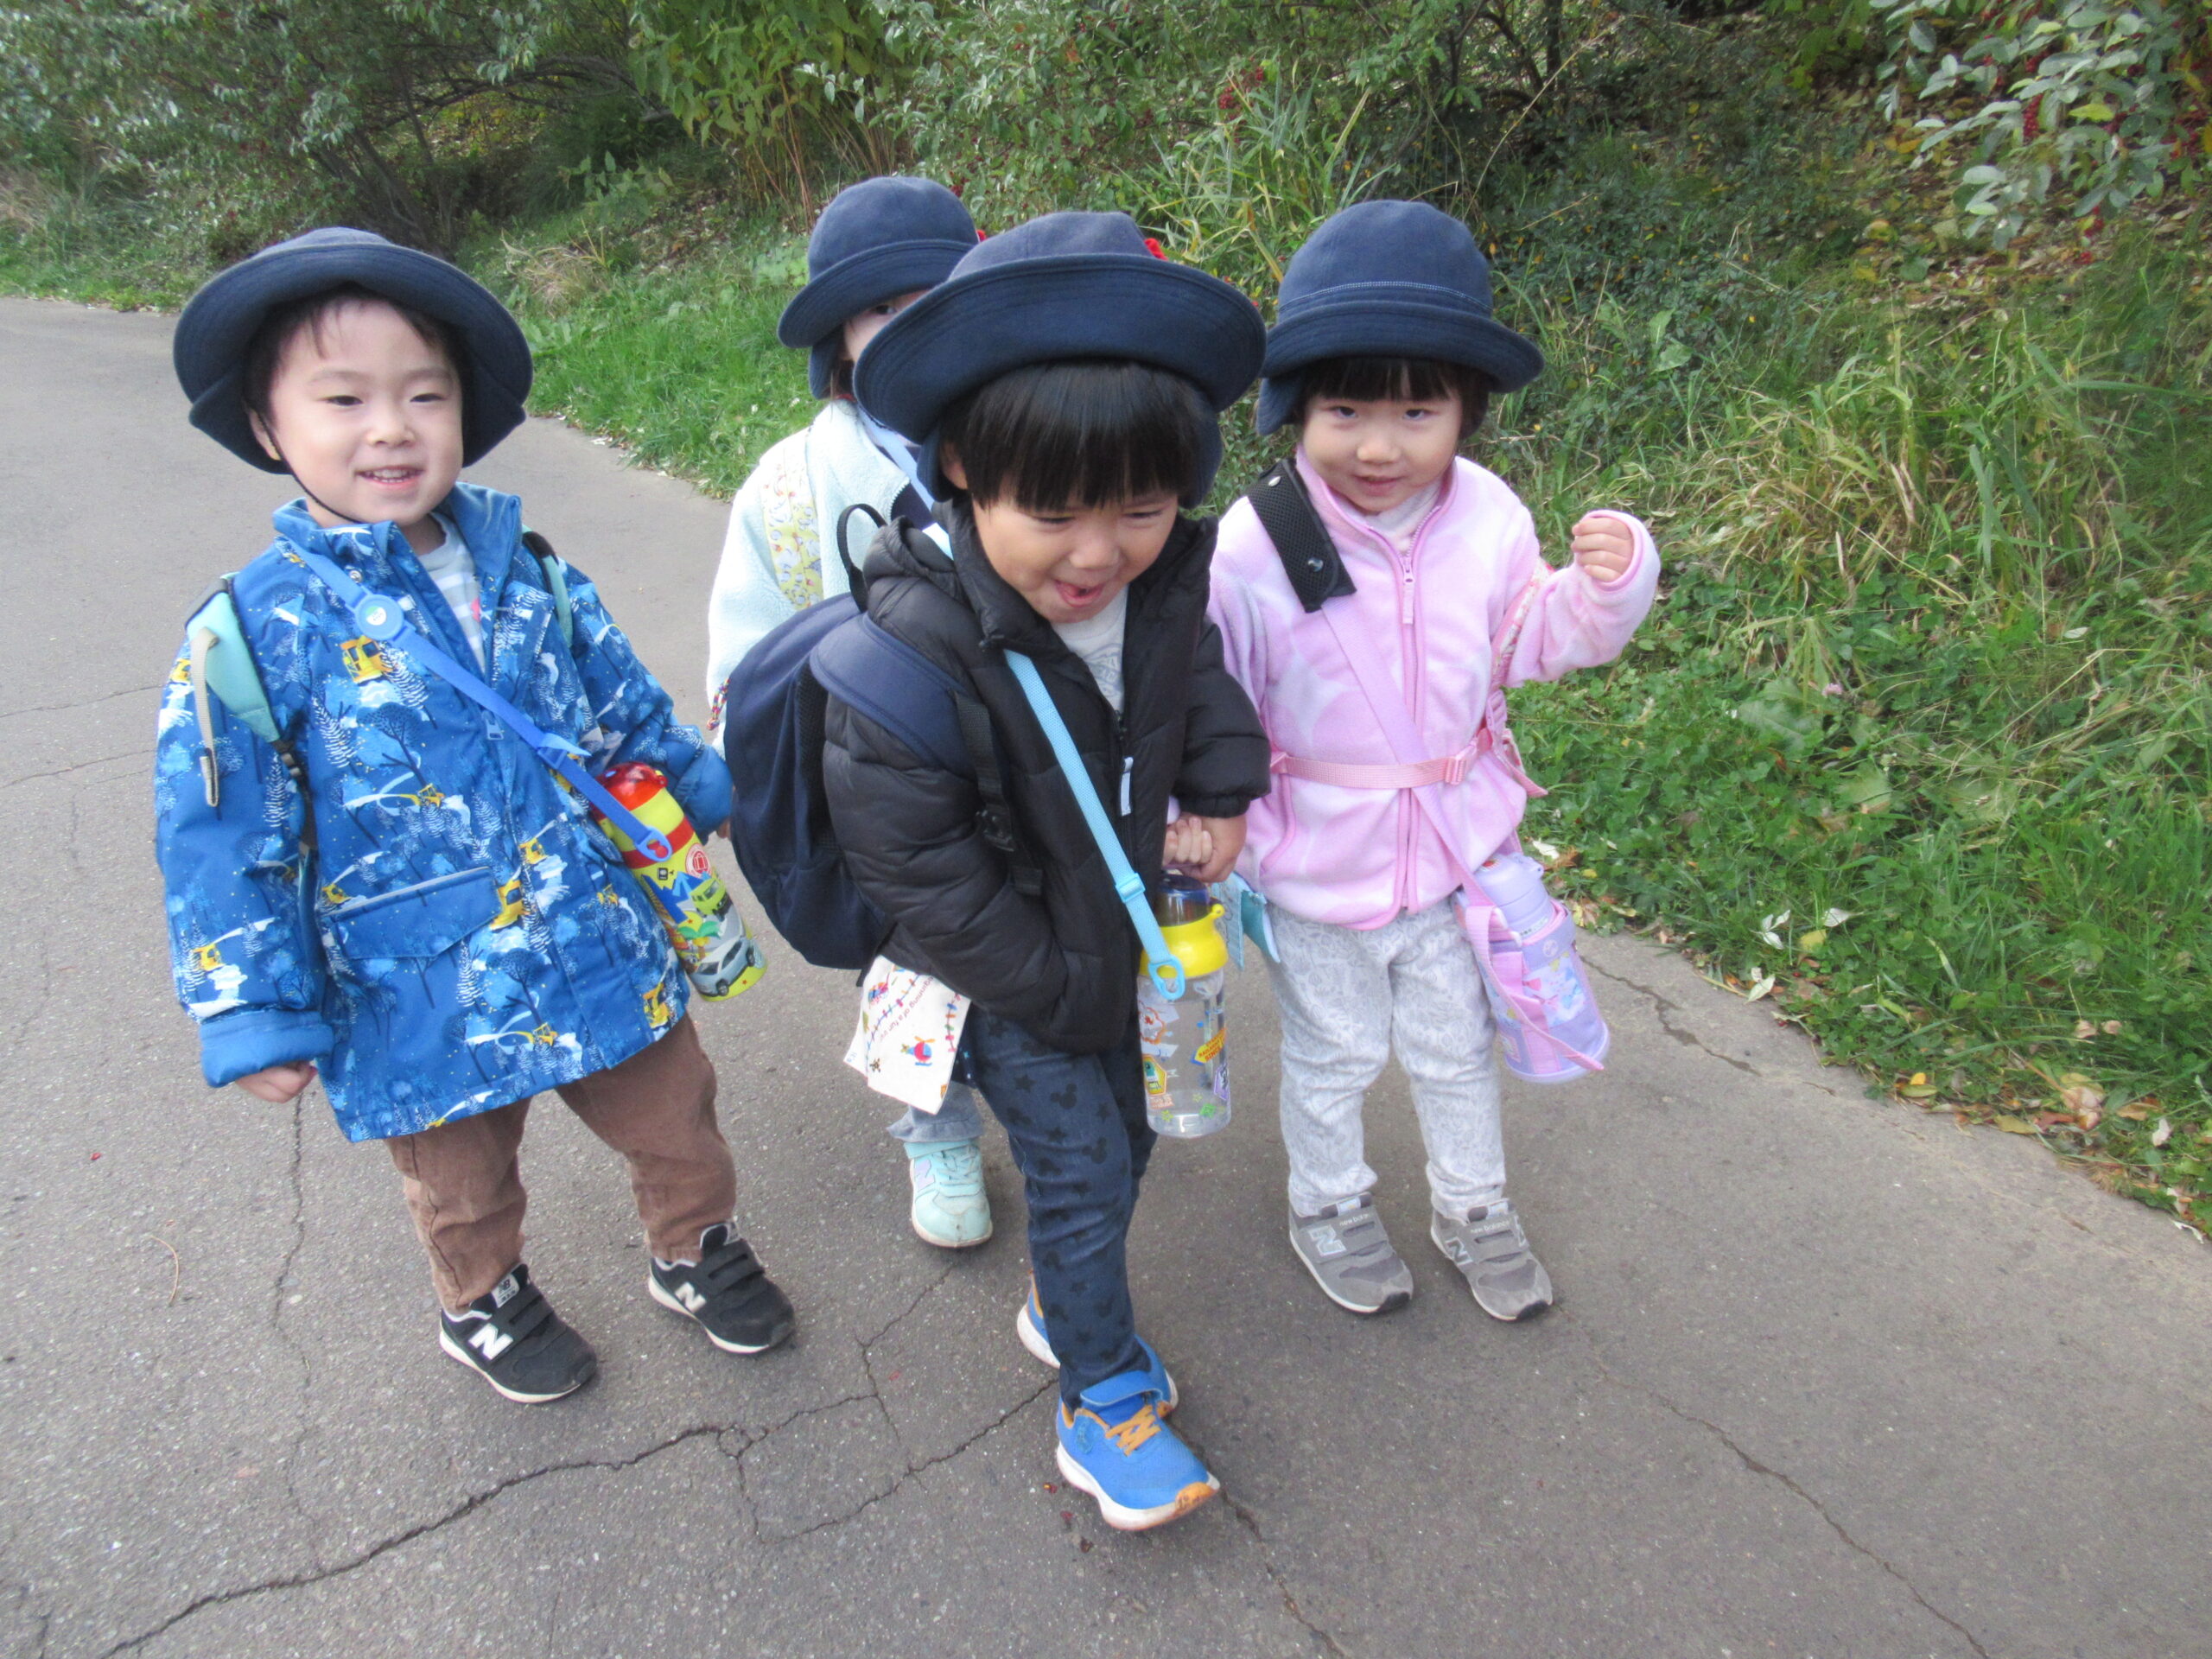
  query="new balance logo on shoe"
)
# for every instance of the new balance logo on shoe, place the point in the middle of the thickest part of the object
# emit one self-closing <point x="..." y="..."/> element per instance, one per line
<point x="687" y="1295"/>
<point x="1326" y="1242"/>
<point x="490" y="1341"/>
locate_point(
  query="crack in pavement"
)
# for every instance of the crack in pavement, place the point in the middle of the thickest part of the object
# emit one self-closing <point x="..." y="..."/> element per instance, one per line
<point x="868" y="1354"/>
<point x="322" y="1574"/>
<point x="1782" y="1479"/>
<point x="41" y="1623"/>
<point x="1666" y="1008"/>
<point x="282" y="1331"/>
<point x="81" y="766"/>
<point x="1329" y="1643"/>
<point x="749" y="1441"/>
<point x="874" y="1396"/>
<point x="913" y="1470"/>
<point x="2002" y="1190"/>
<point x="44" y="981"/>
<point x="1251" y="1524"/>
<point x="86" y="702"/>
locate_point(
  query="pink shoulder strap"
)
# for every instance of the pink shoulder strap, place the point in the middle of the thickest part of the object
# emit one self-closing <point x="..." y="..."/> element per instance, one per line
<point x="1517" y="624"/>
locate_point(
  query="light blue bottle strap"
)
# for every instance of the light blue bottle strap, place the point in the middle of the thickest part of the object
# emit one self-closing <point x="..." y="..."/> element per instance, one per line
<point x="381" y="620"/>
<point x="896" y="450"/>
<point x="1167" y="972"/>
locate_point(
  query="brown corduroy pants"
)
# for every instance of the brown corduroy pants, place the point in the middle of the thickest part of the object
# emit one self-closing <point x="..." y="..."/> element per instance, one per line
<point x="463" y="1179"/>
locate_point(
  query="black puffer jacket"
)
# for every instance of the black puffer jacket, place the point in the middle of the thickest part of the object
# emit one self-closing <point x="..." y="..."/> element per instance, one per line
<point x="1064" y="964"/>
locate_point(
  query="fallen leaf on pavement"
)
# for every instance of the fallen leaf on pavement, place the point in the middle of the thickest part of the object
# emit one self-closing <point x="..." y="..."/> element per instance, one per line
<point x="2012" y="1125"/>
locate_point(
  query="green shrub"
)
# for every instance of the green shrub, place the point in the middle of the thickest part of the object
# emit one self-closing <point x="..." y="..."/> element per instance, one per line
<point x="2092" y="102"/>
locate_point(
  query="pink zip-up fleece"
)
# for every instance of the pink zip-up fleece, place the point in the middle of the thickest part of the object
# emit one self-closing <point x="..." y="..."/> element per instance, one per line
<point x="1358" y="857"/>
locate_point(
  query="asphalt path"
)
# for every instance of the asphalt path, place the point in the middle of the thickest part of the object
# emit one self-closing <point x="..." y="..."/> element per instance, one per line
<point x="1829" y="1377"/>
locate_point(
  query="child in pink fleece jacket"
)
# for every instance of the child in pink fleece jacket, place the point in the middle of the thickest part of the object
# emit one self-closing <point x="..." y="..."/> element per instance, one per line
<point x="1385" y="353"/>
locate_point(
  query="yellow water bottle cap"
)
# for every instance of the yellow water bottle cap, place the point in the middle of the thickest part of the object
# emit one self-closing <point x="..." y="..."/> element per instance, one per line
<point x="1198" y="945"/>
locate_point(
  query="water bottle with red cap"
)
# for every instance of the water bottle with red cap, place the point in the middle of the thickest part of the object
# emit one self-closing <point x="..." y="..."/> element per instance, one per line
<point x="709" y="935"/>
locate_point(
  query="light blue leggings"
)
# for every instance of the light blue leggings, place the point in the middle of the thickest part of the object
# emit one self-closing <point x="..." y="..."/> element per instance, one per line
<point x="956" y="1120"/>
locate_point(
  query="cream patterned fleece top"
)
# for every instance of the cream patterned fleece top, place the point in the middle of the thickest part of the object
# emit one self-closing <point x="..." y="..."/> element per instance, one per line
<point x="779" y="557"/>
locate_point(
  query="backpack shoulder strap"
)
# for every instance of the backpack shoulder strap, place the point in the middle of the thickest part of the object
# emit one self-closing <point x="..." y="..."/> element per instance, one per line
<point x="866" y="666"/>
<point x="1302" y="542"/>
<point x="845" y="552"/>
<point x="220" y="664"/>
<point x="871" y="670"/>
<point x="556" y="584"/>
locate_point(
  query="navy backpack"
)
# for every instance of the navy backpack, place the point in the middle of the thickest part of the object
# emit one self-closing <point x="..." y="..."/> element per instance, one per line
<point x="773" y="710"/>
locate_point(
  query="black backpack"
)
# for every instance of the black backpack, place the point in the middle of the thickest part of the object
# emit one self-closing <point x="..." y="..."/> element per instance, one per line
<point x="772" y="708"/>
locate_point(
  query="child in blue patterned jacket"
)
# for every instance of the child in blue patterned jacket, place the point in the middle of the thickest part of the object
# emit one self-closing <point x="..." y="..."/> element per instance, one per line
<point x="390" y="888"/>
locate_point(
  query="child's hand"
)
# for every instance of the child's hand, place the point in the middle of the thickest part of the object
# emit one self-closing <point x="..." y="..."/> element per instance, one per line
<point x="1603" y="546"/>
<point x="1188" y="845"/>
<point x="1207" y="848"/>
<point x="279" y="1085"/>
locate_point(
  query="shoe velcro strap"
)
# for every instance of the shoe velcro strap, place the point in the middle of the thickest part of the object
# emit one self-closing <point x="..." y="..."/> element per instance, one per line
<point x="732" y="1265"/>
<point x="525" y="1316"/>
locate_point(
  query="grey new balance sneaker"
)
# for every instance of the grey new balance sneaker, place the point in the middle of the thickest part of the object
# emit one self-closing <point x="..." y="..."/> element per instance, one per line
<point x="1488" y="1247"/>
<point x="1350" y="1256"/>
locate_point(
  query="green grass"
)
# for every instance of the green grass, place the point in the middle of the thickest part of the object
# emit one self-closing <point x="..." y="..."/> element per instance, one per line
<point x="93" y="246"/>
<point x="677" y="358"/>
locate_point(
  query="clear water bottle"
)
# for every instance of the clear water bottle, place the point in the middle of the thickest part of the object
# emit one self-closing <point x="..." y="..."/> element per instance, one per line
<point x="1186" y="1042"/>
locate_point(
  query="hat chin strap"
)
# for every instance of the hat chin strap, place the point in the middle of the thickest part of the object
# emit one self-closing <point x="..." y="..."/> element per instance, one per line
<point x="342" y="517"/>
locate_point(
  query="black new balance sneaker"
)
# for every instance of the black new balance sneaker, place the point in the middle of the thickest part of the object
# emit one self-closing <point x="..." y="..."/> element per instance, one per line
<point x="511" y="1337"/>
<point x="726" y="1290"/>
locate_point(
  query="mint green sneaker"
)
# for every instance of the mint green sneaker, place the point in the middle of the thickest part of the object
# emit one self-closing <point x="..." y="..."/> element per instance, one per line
<point x="950" y="1209"/>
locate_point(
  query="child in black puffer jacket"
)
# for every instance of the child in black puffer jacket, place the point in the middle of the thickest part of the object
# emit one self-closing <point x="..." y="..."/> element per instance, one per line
<point x="1068" y="381"/>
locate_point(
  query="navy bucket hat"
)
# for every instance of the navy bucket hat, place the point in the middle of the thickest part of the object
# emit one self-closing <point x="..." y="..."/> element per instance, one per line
<point x="220" y="323"/>
<point x="1065" y="287"/>
<point x="876" y="240"/>
<point x="1388" y="279"/>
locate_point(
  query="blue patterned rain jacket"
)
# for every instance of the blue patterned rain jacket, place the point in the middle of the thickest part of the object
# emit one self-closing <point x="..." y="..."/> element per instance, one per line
<point x="463" y="935"/>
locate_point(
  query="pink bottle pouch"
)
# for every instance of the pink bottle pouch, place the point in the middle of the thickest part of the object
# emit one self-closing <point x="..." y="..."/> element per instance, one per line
<point x="1548" y="1027"/>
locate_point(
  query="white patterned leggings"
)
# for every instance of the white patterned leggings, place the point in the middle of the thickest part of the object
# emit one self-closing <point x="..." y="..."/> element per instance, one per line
<point x="1348" y="997"/>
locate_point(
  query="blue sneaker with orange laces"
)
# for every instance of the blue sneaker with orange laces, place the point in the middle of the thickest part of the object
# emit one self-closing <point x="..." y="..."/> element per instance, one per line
<point x="1114" y="1447"/>
<point x="1029" y="1326"/>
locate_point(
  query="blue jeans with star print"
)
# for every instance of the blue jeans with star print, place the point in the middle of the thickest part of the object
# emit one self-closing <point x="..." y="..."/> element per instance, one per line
<point x="1076" y="1128"/>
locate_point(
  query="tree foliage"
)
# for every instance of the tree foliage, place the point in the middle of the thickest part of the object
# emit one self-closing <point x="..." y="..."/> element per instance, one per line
<point x="2099" y="103"/>
<point x="276" y="97"/>
<point x="778" y="82"/>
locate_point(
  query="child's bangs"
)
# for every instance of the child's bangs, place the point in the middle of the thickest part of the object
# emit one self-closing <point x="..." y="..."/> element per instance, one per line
<point x="1383" y="379"/>
<point x="1398" y="380"/>
<point x="1058" y="435"/>
<point x="311" y="315"/>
